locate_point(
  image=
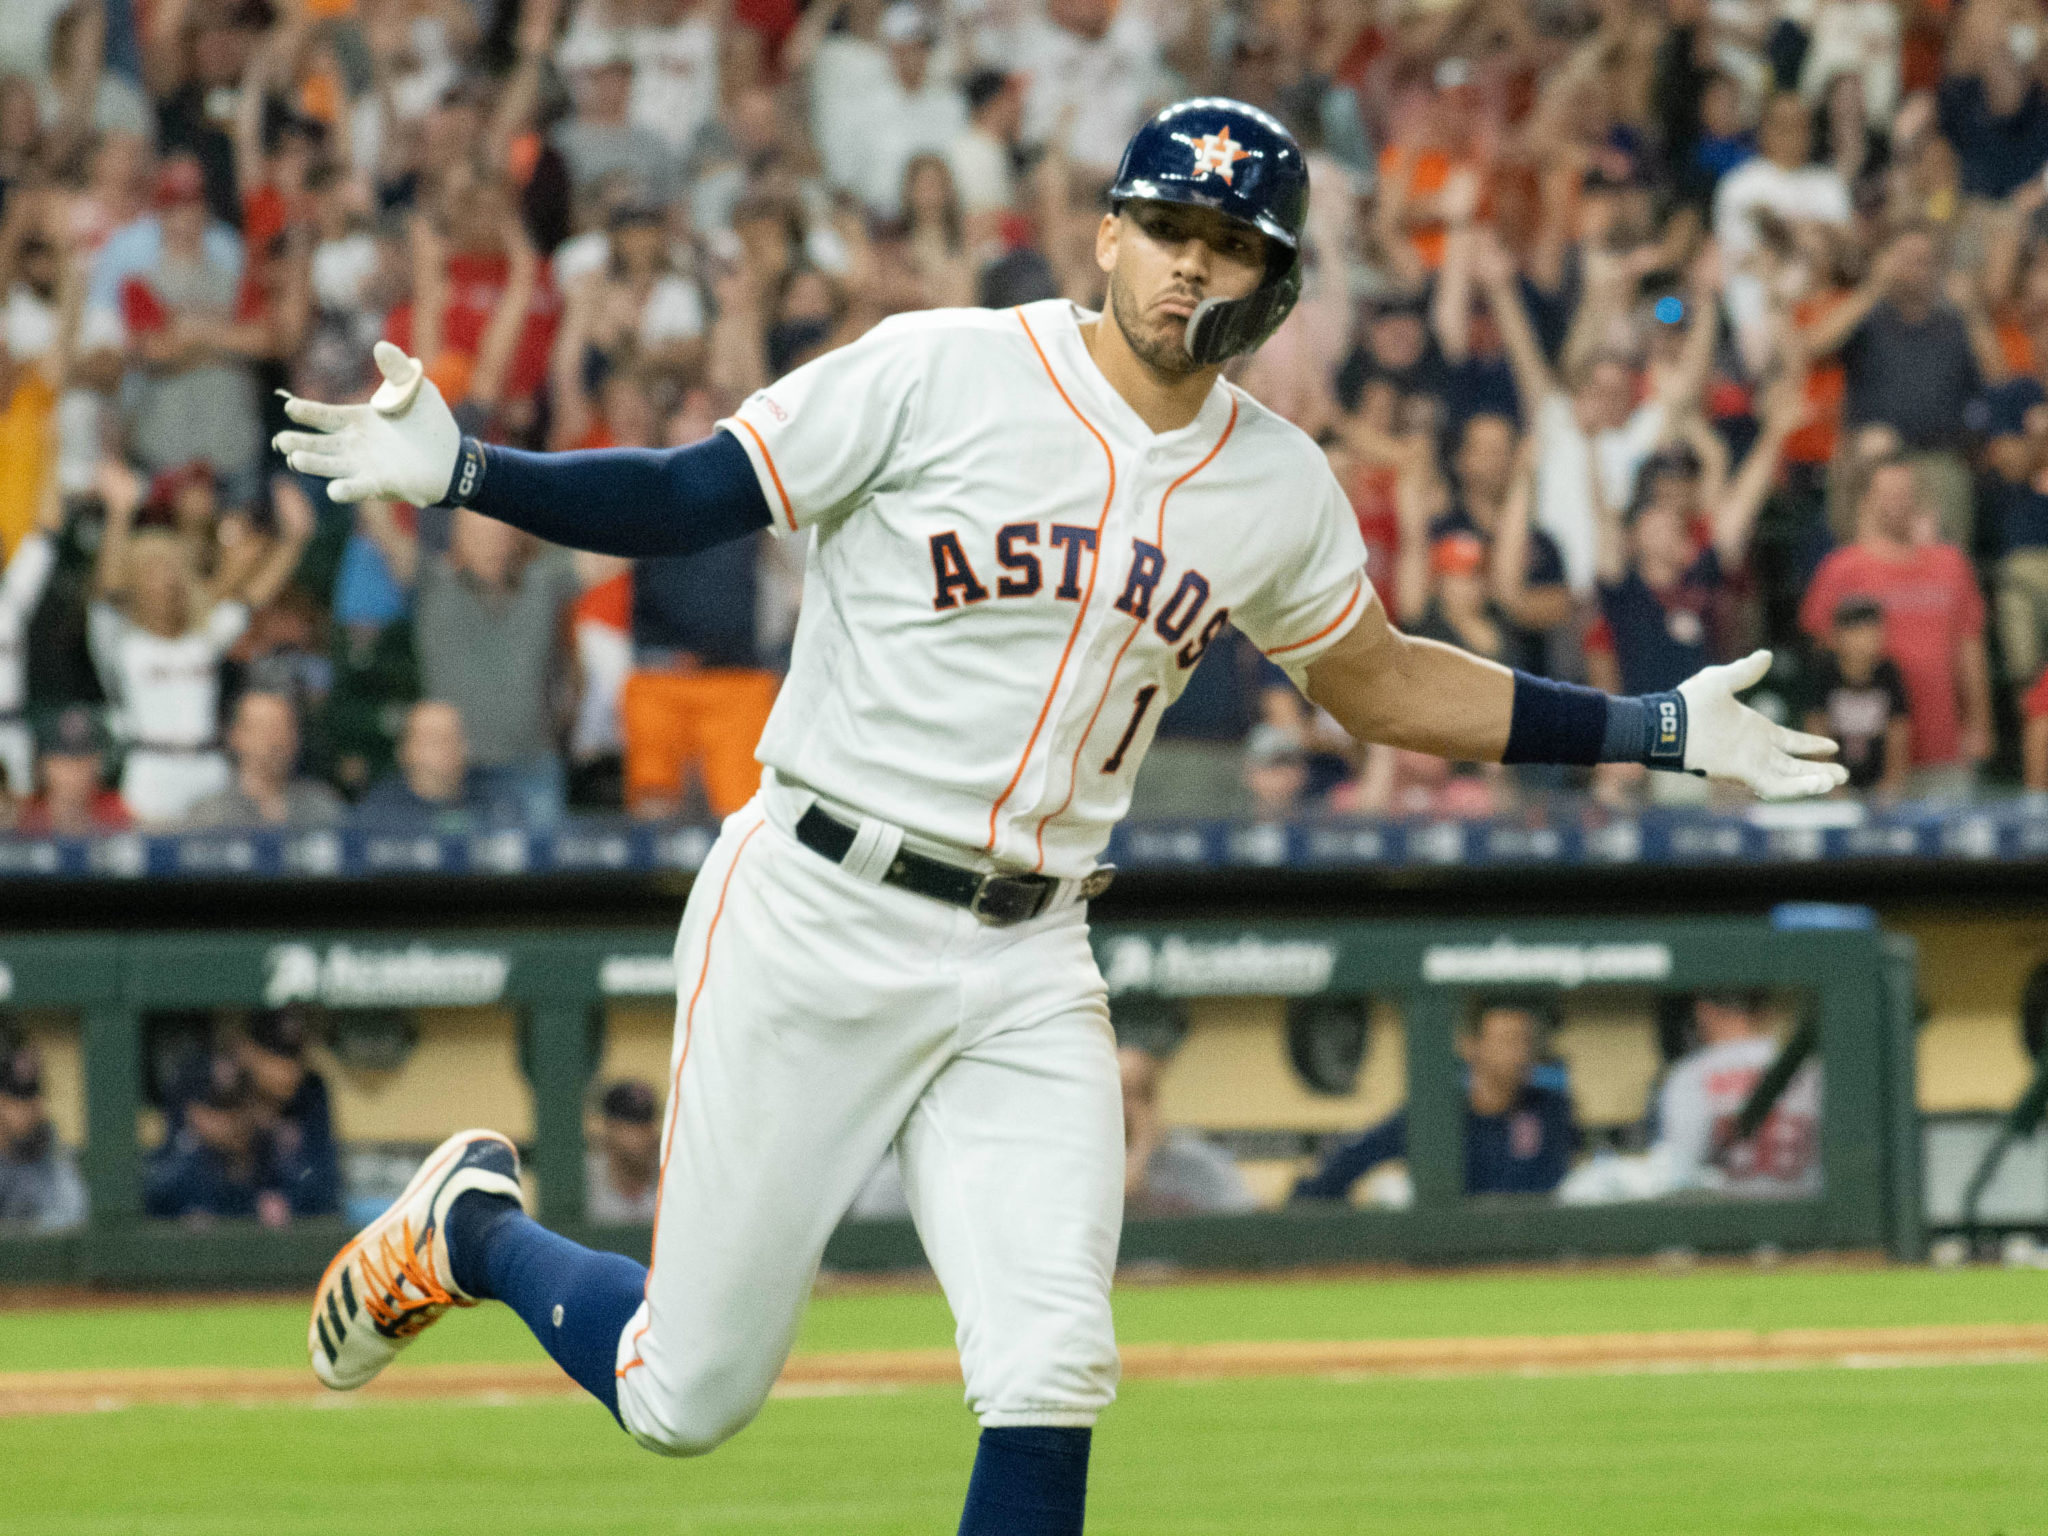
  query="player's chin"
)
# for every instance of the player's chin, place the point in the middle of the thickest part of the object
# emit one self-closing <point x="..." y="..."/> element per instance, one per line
<point x="1167" y="343"/>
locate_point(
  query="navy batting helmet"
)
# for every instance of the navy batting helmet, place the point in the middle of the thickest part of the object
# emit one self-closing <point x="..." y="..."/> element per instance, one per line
<point x="1222" y="154"/>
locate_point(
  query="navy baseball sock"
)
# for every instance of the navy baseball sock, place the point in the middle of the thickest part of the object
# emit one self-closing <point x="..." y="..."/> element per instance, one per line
<point x="1029" y="1480"/>
<point x="576" y="1300"/>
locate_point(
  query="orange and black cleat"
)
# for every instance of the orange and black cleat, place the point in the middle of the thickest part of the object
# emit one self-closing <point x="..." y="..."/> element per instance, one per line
<point x="394" y="1277"/>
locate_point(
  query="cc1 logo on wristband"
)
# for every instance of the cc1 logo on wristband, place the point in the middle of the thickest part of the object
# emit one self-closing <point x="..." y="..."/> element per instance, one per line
<point x="469" y="473"/>
<point x="1666" y="746"/>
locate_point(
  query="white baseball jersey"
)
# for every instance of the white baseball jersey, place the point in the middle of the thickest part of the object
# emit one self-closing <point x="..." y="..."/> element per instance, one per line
<point x="1013" y="575"/>
<point x="1701" y="1099"/>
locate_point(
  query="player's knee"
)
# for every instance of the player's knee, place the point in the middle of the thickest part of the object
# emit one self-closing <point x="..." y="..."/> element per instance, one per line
<point x="693" y="1434"/>
<point x="696" y="1418"/>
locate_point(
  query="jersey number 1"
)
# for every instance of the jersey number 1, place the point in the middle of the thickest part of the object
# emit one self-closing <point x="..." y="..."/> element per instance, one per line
<point x="1138" y="707"/>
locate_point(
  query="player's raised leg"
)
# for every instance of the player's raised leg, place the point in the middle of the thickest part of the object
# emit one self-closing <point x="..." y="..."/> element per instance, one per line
<point x="797" y="1056"/>
<point x="822" y="1006"/>
<point x="1013" y="1162"/>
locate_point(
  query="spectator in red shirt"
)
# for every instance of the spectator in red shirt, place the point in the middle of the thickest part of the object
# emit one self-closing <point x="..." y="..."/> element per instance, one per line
<point x="483" y="310"/>
<point x="1933" y="623"/>
<point x="2034" y="741"/>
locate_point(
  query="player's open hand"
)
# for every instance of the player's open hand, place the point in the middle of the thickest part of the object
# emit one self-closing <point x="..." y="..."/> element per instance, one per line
<point x="400" y="446"/>
<point x="1726" y="739"/>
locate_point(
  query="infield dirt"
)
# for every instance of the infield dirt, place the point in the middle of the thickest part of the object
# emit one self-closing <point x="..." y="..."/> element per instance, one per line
<point x="48" y="1392"/>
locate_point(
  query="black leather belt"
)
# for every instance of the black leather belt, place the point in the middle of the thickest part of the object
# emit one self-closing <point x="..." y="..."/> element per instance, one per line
<point x="998" y="900"/>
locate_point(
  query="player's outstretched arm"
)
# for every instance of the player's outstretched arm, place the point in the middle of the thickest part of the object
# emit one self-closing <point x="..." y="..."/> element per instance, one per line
<point x="1384" y="686"/>
<point x="404" y="445"/>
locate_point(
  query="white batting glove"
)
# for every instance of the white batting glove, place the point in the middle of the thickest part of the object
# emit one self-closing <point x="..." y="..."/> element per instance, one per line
<point x="401" y="446"/>
<point x="1726" y="739"/>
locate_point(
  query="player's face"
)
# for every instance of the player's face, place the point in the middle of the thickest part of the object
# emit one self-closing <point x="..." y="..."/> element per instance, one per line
<point x="1503" y="1047"/>
<point x="1165" y="258"/>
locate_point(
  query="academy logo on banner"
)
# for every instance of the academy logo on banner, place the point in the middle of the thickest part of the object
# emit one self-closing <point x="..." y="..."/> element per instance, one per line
<point x="1561" y="965"/>
<point x="1244" y="967"/>
<point x="416" y="976"/>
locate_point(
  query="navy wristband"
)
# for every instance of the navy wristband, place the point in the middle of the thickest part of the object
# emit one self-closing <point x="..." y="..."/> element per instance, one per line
<point x="1556" y="723"/>
<point x="1563" y="723"/>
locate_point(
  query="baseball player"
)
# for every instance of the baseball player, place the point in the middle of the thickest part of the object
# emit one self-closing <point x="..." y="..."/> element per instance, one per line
<point x="1024" y="528"/>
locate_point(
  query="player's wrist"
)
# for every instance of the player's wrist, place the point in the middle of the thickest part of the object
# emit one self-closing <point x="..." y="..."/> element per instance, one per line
<point x="1646" y="728"/>
<point x="466" y="475"/>
<point x="1552" y="722"/>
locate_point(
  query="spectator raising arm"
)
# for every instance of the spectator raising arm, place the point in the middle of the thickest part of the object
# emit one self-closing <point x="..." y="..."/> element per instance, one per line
<point x="120" y="491"/>
<point x="1735" y="511"/>
<point x="1538" y="608"/>
<point x="1496" y="271"/>
<point x="269" y="65"/>
<point x="1610" y="543"/>
<point x="508" y="321"/>
<point x="255" y="570"/>
<point x="1680" y="387"/>
<point x="1828" y="333"/>
<point x="1450" y="310"/>
<point x="1415" y="505"/>
<point x="1966" y="293"/>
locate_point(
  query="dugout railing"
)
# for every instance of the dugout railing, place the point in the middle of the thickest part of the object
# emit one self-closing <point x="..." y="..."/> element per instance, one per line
<point x="1857" y="987"/>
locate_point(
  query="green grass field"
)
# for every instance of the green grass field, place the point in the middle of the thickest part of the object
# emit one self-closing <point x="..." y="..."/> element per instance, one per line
<point x="1937" y="1449"/>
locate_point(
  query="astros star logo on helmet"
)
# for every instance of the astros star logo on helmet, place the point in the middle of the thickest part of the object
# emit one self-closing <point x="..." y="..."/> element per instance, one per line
<point x="1215" y="153"/>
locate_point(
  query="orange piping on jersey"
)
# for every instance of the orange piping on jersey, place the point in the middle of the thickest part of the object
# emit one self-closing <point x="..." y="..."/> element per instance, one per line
<point x="675" y="1103"/>
<point x="1087" y="594"/>
<point x="1312" y="639"/>
<point x="1159" y="537"/>
<point x="773" y="473"/>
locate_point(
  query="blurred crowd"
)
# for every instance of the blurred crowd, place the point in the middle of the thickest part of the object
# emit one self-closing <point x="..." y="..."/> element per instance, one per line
<point x="1639" y="332"/>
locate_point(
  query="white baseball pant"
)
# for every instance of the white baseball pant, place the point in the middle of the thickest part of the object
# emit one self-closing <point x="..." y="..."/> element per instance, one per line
<point x="821" y="1018"/>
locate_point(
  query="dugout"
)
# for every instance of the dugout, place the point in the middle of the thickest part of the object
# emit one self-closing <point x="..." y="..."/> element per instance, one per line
<point x="510" y="1028"/>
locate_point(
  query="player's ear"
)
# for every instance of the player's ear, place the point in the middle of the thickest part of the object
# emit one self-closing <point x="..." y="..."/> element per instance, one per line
<point x="1107" y="234"/>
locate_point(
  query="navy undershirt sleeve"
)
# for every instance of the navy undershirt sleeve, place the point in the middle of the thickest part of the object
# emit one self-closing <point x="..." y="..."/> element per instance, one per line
<point x="637" y="502"/>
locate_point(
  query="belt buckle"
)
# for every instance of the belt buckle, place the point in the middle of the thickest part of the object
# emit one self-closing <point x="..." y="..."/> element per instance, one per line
<point x="1001" y="900"/>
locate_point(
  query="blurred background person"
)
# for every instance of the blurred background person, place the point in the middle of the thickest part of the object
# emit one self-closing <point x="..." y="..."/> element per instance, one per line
<point x="431" y="788"/>
<point x="1933" y="623"/>
<point x="622" y="1172"/>
<point x="263" y="744"/>
<point x="1706" y="1090"/>
<point x="40" y="1188"/>
<point x="1860" y="700"/>
<point x="1520" y="1134"/>
<point x="289" y="1103"/>
<point x="489" y="627"/>
<point x="72" y="798"/>
<point x="219" y="1162"/>
<point x="1170" y="1170"/>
